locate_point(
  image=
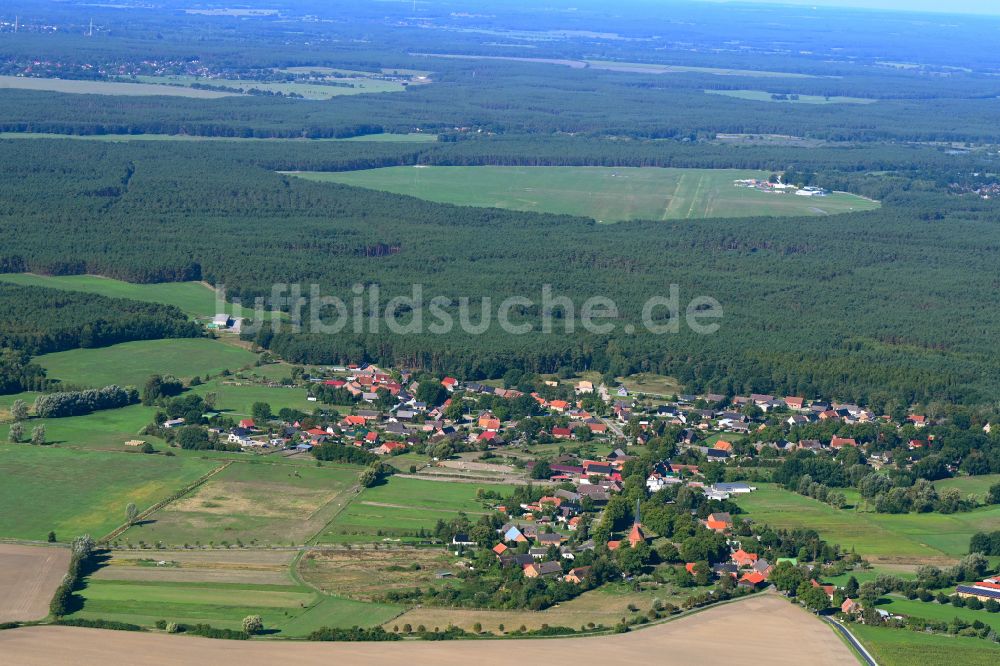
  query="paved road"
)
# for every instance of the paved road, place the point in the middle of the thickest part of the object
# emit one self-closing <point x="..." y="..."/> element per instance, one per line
<point x="845" y="632"/>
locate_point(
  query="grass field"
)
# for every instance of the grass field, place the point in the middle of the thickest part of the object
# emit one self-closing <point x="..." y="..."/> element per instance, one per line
<point x="194" y="298"/>
<point x="764" y="96"/>
<point x="898" y="605"/>
<point x="351" y="573"/>
<point x="899" y="647"/>
<point x="289" y="610"/>
<point x="239" y="399"/>
<point x="603" y="193"/>
<point x="970" y="485"/>
<point x="308" y="90"/>
<point x="114" y="138"/>
<point x="107" y="429"/>
<point x="77" y="492"/>
<point x="131" y="363"/>
<point x="255" y="503"/>
<point x="930" y="537"/>
<point x="400" y="507"/>
<point x="105" y="87"/>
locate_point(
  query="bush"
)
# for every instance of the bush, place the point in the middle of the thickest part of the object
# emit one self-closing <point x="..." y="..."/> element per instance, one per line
<point x="100" y="624"/>
<point x="354" y="634"/>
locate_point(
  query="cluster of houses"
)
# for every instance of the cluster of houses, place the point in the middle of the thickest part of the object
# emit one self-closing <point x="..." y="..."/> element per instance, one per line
<point x="779" y="187"/>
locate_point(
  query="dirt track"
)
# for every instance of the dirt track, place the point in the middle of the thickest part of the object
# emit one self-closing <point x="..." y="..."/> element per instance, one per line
<point x="29" y="575"/>
<point x="765" y="629"/>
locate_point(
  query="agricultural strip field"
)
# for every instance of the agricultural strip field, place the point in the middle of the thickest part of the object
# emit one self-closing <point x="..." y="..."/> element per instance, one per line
<point x="414" y="137"/>
<point x="78" y="492"/>
<point x="783" y="635"/>
<point x="105" y="87"/>
<point x="899" y="647"/>
<point x="29" y="575"/>
<point x="261" y="503"/>
<point x="308" y="90"/>
<point x="888" y="538"/>
<point x="131" y="363"/>
<point x="397" y="509"/>
<point x="764" y="96"/>
<point x="628" y="67"/>
<point x="234" y="565"/>
<point x="604" y="193"/>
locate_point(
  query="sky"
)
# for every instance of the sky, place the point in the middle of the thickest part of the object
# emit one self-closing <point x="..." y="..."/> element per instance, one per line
<point x="950" y="6"/>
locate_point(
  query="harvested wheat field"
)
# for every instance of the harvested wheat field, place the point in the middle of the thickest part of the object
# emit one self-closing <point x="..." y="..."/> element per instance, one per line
<point x="782" y="634"/>
<point x="29" y="575"/>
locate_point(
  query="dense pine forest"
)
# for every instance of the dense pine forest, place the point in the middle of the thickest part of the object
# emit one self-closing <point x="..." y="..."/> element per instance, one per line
<point x="887" y="307"/>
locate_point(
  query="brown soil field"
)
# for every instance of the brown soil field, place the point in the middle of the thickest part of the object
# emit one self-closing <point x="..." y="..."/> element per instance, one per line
<point x="762" y="629"/>
<point x="29" y="575"/>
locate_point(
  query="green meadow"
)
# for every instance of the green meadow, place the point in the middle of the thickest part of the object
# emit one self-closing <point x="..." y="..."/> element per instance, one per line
<point x="195" y="298"/>
<point x="131" y="363"/>
<point x="898" y="605"/>
<point x="970" y="485"/>
<point x="399" y="507"/>
<point x="603" y="193"/>
<point x="78" y="492"/>
<point x="238" y="399"/>
<point x="289" y="610"/>
<point x="901" y="647"/>
<point x="885" y="537"/>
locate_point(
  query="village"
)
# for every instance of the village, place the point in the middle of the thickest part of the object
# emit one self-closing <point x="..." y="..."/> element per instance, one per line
<point x="574" y="449"/>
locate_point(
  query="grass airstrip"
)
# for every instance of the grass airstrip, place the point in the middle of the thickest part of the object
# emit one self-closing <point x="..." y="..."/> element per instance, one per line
<point x="606" y="194"/>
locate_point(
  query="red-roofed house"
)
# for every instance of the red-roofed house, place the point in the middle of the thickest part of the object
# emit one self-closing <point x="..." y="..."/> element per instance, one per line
<point x="388" y="447"/>
<point x="248" y="424"/>
<point x="752" y="579"/>
<point x="371" y="438"/>
<point x="829" y="589"/>
<point x="352" y="420"/>
<point x="841" y="442"/>
<point x="558" y="405"/>
<point x="449" y="383"/>
<point x="850" y="607"/>
<point x="744" y="559"/>
<point x="562" y="433"/>
<point x="488" y="436"/>
<point x="500" y="549"/>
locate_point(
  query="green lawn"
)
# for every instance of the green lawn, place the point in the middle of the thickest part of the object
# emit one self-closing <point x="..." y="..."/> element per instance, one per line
<point x="265" y="502"/>
<point x="901" y="538"/>
<point x="107" y="429"/>
<point x="400" y="507"/>
<point x="291" y="610"/>
<point x="194" y="298"/>
<point x="764" y="96"/>
<point x="901" y="647"/>
<point x="131" y="363"/>
<point x="77" y="492"/>
<point x="603" y="193"/>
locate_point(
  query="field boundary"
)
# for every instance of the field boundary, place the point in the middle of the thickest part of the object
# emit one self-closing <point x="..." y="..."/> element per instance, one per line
<point x="118" y="531"/>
